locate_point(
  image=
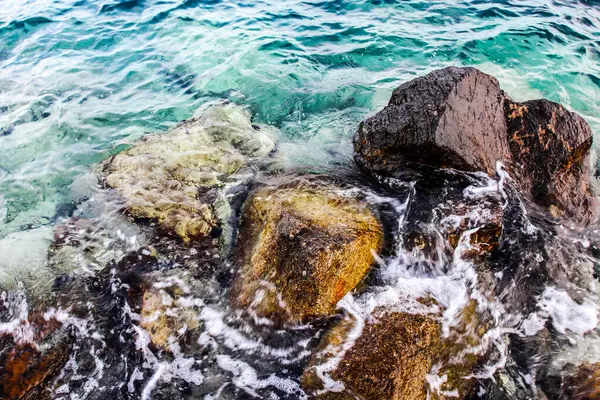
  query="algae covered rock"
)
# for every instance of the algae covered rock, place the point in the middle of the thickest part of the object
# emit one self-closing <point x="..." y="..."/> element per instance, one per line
<point x="453" y="117"/>
<point x="303" y="245"/>
<point x="167" y="313"/>
<point x="180" y="178"/>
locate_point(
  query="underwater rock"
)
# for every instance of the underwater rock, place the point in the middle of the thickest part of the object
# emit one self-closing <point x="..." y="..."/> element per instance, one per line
<point x="180" y="178"/>
<point x="453" y="117"/>
<point x="550" y="148"/>
<point x="166" y="314"/>
<point x="389" y="360"/>
<point x="303" y="244"/>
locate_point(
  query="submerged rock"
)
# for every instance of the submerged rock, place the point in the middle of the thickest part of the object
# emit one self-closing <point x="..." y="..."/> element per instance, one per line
<point x="453" y="117"/>
<point x="180" y="178"/>
<point x="303" y="245"/>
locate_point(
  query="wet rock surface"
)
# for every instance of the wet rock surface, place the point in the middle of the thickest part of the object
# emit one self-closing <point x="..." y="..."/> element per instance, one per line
<point x="303" y="244"/>
<point x="550" y="148"/>
<point x="452" y="117"/>
<point x="389" y="360"/>
<point x="459" y="118"/>
<point x="180" y="178"/>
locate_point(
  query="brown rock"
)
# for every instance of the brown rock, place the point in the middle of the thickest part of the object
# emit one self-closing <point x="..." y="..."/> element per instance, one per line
<point x="550" y="148"/>
<point x="459" y="118"/>
<point x="452" y="117"/>
<point x="398" y="355"/>
<point x="389" y="360"/>
<point x="26" y="370"/>
<point x="303" y="245"/>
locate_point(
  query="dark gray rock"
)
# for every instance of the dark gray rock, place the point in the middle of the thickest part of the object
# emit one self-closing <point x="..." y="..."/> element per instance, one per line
<point x="453" y="117"/>
<point x="459" y="118"/>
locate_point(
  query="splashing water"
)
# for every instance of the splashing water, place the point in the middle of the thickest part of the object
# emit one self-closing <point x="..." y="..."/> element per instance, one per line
<point x="80" y="80"/>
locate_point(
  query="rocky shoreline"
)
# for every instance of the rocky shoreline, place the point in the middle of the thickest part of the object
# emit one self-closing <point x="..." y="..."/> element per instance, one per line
<point x="433" y="271"/>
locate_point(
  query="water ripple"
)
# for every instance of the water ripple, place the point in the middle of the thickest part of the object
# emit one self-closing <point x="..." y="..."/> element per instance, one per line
<point x="79" y="77"/>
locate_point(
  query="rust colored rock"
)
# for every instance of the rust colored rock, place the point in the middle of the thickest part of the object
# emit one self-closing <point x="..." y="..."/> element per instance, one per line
<point x="550" y="147"/>
<point x="26" y="369"/>
<point x="389" y="360"/>
<point x="303" y="245"/>
<point x="585" y="383"/>
<point x="453" y="117"/>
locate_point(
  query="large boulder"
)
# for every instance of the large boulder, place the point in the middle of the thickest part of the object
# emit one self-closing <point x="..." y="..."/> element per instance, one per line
<point x="303" y="245"/>
<point x="393" y="354"/>
<point x="550" y="148"/>
<point x="453" y="117"/>
<point x="181" y="178"/>
<point x="459" y="118"/>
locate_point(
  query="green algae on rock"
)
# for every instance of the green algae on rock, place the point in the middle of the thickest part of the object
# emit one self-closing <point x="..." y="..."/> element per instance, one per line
<point x="172" y="177"/>
<point x="303" y="245"/>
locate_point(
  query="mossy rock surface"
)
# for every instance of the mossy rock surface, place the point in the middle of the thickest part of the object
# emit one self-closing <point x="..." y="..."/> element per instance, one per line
<point x="172" y="177"/>
<point x="303" y="245"/>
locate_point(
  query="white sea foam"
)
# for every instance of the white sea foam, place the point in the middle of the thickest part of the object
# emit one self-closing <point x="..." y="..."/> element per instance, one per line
<point x="246" y="378"/>
<point x="566" y="314"/>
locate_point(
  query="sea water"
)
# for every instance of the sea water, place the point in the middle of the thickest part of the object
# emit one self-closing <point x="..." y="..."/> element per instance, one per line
<point x="80" y="79"/>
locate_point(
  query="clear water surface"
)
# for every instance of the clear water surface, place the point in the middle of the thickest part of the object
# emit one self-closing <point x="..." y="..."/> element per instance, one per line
<point x="79" y="78"/>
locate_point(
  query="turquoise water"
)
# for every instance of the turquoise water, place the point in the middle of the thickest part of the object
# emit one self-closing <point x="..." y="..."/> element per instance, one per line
<point x="79" y="78"/>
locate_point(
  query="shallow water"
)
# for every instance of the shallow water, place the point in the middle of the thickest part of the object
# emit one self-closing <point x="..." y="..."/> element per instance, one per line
<point x="80" y="80"/>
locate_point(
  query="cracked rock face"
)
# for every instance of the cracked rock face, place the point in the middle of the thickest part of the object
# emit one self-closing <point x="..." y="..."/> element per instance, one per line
<point x="180" y="178"/>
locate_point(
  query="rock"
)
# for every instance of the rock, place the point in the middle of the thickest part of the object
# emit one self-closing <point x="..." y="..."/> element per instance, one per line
<point x="303" y="245"/>
<point x="443" y="206"/>
<point x="584" y="384"/>
<point x="389" y="360"/>
<point x="392" y="354"/>
<point x="179" y="178"/>
<point x="166" y="315"/>
<point x="27" y="369"/>
<point x="459" y="118"/>
<point x="453" y="117"/>
<point x="550" y="148"/>
<point x="33" y="348"/>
